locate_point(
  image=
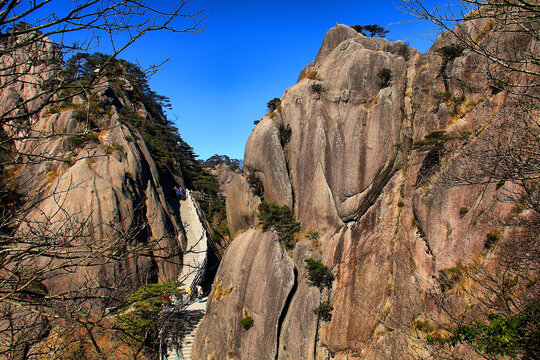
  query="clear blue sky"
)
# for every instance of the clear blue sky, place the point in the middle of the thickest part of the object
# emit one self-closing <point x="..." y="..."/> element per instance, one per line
<point x="251" y="51"/>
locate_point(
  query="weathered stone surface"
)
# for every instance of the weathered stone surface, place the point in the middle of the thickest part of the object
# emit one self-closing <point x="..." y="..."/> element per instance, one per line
<point x="343" y="145"/>
<point x="299" y="328"/>
<point x="391" y="215"/>
<point x="333" y="38"/>
<point x="241" y="204"/>
<point x="264" y="157"/>
<point x="254" y="279"/>
<point x="224" y="174"/>
<point x="103" y="192"/>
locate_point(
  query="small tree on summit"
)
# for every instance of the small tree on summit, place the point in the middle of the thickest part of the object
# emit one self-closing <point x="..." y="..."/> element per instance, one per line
<point x="374" y="30"/>
<point x="273" y="104"/>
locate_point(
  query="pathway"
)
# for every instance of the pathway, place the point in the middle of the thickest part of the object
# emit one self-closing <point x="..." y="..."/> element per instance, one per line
<point x="193" y="316"/>
<point x="195" y="254"/>
<point x="192" y="271"/>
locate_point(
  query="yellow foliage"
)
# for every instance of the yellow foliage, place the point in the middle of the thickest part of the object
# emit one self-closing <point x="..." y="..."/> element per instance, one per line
<point x="221" y="292"/>
<point x="312" y="75"/>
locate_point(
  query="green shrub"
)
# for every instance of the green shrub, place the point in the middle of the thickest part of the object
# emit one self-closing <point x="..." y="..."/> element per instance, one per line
<point x="324" y="311"/>
<point x="359" y="29"/>
<point x="80" y="139"/>
<point x="450" y="52"/>
<point x="432" y="140"/>
<point x="285" y="133"/>
<point x="448" y="278"/>
<point x="279" y="219"/>
<point x="403" y="51"/>
<point x="317" y="87"/>
<point x="400" y="203"/>
<point x="318" y="274"/>
<point x="140" y="317"/>
<point x="255" y="184"/>
<point x="463" y="211"/>
<point x="217" y="159"/>
<point x="114" y="146"/>
<point x="224" y="230"/>
<point x="500" y="335"/>
<point x="273" y="104"/>
<point x="247" y="322"/>
<point x="374" y="30"/>
<point x="385" y="76"/>
<point x="442" y="96"/>
<point x="492" y="237"/>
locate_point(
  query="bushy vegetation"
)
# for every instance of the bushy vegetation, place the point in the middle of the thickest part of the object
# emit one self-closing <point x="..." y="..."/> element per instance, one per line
<point x="318" y="274"/>
<point x="170" y="152"/>
<point x="385" y="76"/>
<point x="317" y="88"/>
<point x="279" y="219"/>
<point x="256" y="184"/>
<point x="247" y="322"/>
<point x="374" y="30"/>
<point x="81" y="138"/>
<point x="140" y="318"/>
<point x="324" y="311"/>
<point x="403" y="51"/>
<point x="514" y="335"/>
<point x="222" y="159"/>
<point x="435" y="139"/>
<point x="273" y="104"/>
<point x="285" y="133"/>
<point x="450" y="52"/>
<point x="492" y="237"/>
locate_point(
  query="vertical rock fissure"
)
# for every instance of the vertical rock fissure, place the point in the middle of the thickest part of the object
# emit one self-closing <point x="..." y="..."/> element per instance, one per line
<point x="290" y="178"/>
<point x="285" y="309"/>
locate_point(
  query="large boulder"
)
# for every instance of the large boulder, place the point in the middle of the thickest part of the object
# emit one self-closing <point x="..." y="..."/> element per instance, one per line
<point x="254" y="280"/>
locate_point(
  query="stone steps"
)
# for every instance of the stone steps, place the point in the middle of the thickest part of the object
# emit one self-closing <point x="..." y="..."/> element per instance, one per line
<point x="195" y="256"/>
<point x="194" y="265"/>
<point x="193" y="318"/>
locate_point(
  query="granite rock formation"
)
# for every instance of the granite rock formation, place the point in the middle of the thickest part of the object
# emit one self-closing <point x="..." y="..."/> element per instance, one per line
<point x="373" y="166"/>
<point x="92" y="182"/>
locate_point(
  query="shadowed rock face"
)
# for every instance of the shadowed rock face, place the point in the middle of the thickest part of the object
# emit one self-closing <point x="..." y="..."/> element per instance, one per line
<point x="390" y="217"/>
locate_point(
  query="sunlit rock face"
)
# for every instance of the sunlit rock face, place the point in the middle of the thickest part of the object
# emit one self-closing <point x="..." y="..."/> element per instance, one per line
<point x="94" y="185"/>
<point x="254" y="260"/>
<point x="344" y="150"/>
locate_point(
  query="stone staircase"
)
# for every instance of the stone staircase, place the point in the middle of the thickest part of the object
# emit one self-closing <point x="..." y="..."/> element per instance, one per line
<point x="195" y="254"/>
<point x="193" y="316"/>
<point x="192" y="270"/>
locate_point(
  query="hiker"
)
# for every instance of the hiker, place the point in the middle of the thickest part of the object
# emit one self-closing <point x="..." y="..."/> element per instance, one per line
<point x="182" y="193"/>
<point x="178" y="192"/>
<point x="199" y="293"/>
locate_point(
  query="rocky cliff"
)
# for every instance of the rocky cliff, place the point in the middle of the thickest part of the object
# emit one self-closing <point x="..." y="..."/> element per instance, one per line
<point x="372" y="148"/>
<point x="94" y="202"/>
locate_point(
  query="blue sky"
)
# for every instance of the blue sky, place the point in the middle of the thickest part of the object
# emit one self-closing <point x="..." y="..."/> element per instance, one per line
<point x="219" y="81"/>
